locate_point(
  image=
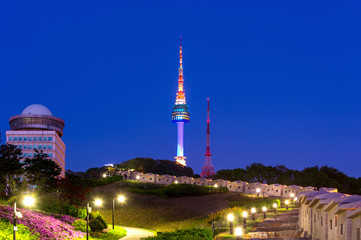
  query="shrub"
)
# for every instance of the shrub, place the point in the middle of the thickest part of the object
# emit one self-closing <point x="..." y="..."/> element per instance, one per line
<point x="190" y="234"/>
<point x="102" y="221"/>
<point x="96" y="225"/>
<point x="141" y="185"/>
<point x="23" y="232"/>
<point x="101" y="181"/>
<point x="80" y="225"/>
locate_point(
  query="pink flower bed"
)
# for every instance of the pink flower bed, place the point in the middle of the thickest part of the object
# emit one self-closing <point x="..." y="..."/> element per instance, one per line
<point x="48" y="227"/>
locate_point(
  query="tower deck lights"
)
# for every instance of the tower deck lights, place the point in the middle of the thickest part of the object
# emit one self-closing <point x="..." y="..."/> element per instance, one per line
<point x="258" y="191"/>
<point x="180" y="114"/>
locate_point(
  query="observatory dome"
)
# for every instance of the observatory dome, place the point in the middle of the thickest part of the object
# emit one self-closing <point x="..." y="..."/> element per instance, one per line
<point x="37" y="109"/>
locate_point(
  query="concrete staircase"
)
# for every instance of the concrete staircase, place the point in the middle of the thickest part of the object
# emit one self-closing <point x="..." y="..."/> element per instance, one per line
<point x="283" y="226"/>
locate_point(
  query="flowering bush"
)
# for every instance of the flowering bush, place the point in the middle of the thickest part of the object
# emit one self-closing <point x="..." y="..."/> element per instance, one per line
<point x="49" y="227"/>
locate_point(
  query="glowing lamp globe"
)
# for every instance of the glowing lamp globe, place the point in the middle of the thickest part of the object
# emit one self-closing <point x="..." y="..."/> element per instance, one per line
<point x="292" y="195"/>
<point x="238" y="232"/>
<point x="244" y="214"/>
<point x="230" y="217"/>
<point x="215" y="185"/>
<point x="98" y="202"/>
<point x="287" y="202"/>
<point x="275" y="205"/>
<point x="253" y="210"/>
<point x="121" y="199"/>
<point x="28" y="201"/>
<point x="264" y="209"/>
<point x="258" y="190"/>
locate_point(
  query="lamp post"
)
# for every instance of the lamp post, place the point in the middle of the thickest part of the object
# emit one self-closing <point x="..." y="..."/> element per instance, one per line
<point x="244" y="215"/>
<point x="97" y="202"/>
<point x="258" y="191"/>
<point x="216" y="185"/>
<point x="264" y="210"/>
<point x="275" y="207"/>
<point x="253" y="211"/>
<point x="230" y="218"/>
<point x="28" y="201"/>
<point x="121" y="199"/>
<point x="239" y="233"/>
<point x="287" y="202"/>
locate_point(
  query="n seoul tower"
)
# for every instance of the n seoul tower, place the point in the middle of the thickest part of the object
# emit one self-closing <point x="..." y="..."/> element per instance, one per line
<point x="180" y="114"/>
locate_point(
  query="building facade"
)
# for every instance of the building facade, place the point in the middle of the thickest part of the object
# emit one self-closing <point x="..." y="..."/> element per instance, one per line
<point x="37" y="129"/>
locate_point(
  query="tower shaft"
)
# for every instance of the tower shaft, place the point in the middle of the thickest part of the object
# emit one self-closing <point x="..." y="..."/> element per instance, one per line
<point x="180" y="114"/>
<point x="208" y="169"/>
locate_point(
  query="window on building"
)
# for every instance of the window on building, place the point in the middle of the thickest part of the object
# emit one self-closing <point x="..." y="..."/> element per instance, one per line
<point x="35" y="146"/>
<point x="35" y="139"/>
<point x="15" y="138"/>
<point x="40" y="146"/>
<point x="44" y="139"/>
<point x="10" y="139"/>
<point x="30" y="146"/>
<point x="314" y="217"/>
<point x="331" y="224"/>
<point x="321" y="221"/>
<point x="50" y="139"/>
<point x="39" y="139"/>
<point x="50" y="146"/>
<point x="30" y="155"/>
<point x="25" y="146"/>
<point x="50" y="154"/>
<point x="336" y="220"/>
<point x="30" y="139"/>
<point x="45" y="146"/>
<point x="20" y="139"/>
<point x="25" y="139"/>
<point x="21" y="146"/>
<point x="25" y="154"/>
<point x="341" y="228"/>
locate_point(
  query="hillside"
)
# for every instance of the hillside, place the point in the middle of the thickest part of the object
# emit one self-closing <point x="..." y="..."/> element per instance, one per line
<point x="153" y="212"/>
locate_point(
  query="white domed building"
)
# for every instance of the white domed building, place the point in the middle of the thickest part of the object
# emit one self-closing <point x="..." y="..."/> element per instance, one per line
<point x="37" y="128"/>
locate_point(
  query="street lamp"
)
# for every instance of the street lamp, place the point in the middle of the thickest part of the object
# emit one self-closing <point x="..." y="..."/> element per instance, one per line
<point x="216" y="185"/>
<point x="264" y="210"/>
<point x="97" y="202"/>
<point x="27" y="201"/>
<point x="137" y="177"/>
<point x="258" y="191"/>
<point x="176" y="182"/>
<point x="239" y="233"/>
<point x="121" y="199"/>
<point x="292" y="195"/>
<point x="287" y="202"/>
<point x="275" y="207"/>
<point x="230" y="218"/>
<point x="244" y="215"/>
<point x="253" y="211"/>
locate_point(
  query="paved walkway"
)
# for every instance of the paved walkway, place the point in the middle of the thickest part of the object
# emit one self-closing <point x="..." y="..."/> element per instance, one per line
<point x="136" y="233"/>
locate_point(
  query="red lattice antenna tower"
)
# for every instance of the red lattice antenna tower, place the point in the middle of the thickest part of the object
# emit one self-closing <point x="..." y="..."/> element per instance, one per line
<point x="208" y="169"/>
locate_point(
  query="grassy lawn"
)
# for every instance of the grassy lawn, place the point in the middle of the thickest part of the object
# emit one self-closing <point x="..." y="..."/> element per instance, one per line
<point x="115" y="234"/>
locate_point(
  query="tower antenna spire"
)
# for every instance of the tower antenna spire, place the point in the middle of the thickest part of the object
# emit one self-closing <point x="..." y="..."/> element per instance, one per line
<point x="208" y="169"/>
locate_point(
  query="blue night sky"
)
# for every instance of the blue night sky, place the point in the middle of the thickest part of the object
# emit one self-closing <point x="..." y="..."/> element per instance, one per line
<point x="283" y="78"/>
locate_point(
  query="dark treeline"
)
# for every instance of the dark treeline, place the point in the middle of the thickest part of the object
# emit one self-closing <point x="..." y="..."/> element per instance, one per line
<point x="149" y="165"/>
<point x="312" y="176"/>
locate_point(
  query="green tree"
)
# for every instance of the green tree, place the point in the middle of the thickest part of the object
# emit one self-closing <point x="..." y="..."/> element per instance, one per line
<point x="11" y="168"/>
<point x="41" y="171"/>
